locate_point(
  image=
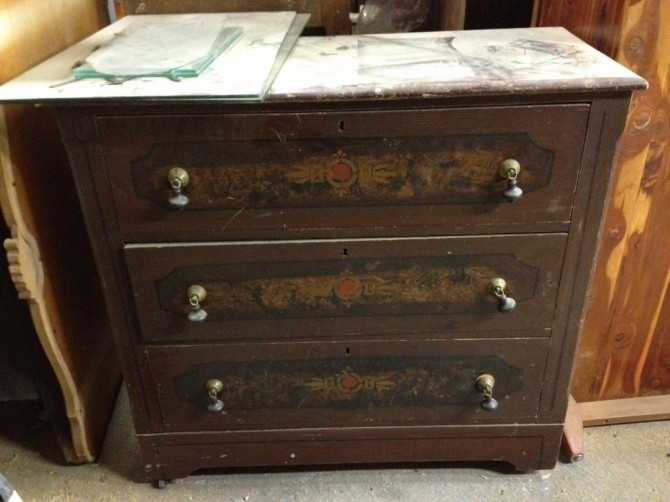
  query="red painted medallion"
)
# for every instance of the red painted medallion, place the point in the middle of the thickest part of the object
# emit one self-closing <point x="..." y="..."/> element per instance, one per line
<point x="341" y="172"/>
<point x="349" y="381"/>
<point x="348" y="288"/>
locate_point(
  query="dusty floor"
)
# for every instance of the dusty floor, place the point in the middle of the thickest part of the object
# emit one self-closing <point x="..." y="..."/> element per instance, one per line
<point x="622" y="463"/>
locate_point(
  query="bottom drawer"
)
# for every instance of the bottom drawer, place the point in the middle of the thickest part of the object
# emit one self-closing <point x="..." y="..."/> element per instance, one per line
<point x="347" y="384"/>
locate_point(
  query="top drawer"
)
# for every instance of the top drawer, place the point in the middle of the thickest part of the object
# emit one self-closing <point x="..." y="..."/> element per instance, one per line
<point x="287" y="175"/>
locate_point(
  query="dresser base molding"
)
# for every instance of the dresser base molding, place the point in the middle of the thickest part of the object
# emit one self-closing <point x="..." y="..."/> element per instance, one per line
<point x="525" y="447"/>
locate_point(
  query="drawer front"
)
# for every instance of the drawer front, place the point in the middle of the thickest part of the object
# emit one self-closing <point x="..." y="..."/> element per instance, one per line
<point x="276" y="386"/>
<point x="392" y="172"/>
<point x="307" y="289"/>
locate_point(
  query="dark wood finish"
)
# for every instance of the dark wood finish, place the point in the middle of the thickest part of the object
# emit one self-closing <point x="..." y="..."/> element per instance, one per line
<point x="353" y="384"/>
<point x="165" y="366"/>
<point x="344" y="288"/>
<point x="283" y="175"/>
<point x="595" y="21"/>
<point x="487" y="14"/>
<point x="331" y="16"/>
<point x="526" y="447"/>
<point x="593" y="187"/>
<point x="94" y="197"/>
<point x="625" y="348"/>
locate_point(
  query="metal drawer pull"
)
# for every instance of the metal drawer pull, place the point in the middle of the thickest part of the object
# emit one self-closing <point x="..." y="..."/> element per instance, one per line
<point x="214" y="387"/>
<point x="196" y="294"/>
<point x="178" y="179"/>
<point x="485" y="384"/>
<point x="509" y="169"/>
<point x="505" y="303"/>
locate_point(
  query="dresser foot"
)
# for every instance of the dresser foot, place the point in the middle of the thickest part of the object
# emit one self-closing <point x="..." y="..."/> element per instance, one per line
<point x="160" y="484"/>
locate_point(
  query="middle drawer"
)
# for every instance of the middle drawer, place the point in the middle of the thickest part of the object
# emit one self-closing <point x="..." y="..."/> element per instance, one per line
<point x="322" y="288"/>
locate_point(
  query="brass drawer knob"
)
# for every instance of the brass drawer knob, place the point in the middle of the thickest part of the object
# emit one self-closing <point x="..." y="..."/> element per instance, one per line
<point x="178" y="179"/>
<point x="485" y="384"/>
<point x="196" y="295"/>
<point x="214" y="388"/>
<point x="505" y="303"/>
<point x="509" y="169"/>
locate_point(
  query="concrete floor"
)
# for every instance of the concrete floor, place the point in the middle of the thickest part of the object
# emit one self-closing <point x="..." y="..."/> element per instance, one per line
<point x="622" y="463"/>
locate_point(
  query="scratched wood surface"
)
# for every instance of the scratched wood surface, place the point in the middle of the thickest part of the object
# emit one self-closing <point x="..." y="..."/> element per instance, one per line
<point x="50" y="259"/>
<point x="625" y="348"/>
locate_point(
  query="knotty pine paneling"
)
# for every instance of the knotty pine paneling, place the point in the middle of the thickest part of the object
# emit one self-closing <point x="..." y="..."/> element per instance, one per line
<point x="625" y="348"/>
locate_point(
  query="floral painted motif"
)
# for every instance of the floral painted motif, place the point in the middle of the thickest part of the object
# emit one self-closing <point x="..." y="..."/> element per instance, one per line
<point x="352" y="172"/>
<point x="360" y="382"/>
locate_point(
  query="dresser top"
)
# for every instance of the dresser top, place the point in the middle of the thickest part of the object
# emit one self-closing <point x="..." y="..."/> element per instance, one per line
<point x="509" y="61"/>
<point x="457" y="63"/>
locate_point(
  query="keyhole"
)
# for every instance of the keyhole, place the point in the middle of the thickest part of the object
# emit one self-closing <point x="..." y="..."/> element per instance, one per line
<point x="341" y="126"/>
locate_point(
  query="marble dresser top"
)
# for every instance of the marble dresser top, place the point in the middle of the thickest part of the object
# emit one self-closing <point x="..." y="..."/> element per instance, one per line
<point x="512" y="61"/>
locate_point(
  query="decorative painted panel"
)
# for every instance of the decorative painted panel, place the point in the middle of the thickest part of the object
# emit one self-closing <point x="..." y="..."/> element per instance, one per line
<point x="325" y="288"/>
<point x="449" y="284"/>
<point x="343" y="172"/>
<point x="355" y="173"/>
<point x="374" y="382"/>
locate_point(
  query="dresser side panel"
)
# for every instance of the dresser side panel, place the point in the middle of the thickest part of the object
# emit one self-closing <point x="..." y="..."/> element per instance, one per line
<point x="80" y="136"/>
<point x="608" y="117"/>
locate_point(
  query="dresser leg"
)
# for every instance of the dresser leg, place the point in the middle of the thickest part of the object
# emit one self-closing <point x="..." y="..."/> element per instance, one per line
<point x="573" y="432"/>
<point x="159" y="484"/>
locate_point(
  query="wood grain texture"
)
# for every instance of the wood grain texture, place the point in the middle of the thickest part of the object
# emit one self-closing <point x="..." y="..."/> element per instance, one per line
<point x="595" y="21"/>
<point x="56" y="275"/>
<point x="452" y="14"/>
<point x="621" y="411"/>
<point x="32" y="31"/>
<point x="625" y="349"/>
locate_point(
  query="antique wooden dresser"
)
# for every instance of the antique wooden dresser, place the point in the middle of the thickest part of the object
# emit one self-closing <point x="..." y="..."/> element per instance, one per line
<point x="385" y="260"/>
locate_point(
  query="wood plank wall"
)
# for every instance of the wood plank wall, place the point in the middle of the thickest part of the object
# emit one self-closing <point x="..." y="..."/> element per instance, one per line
<point x="625" y="348"/>
<point x="51" y="261"/>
